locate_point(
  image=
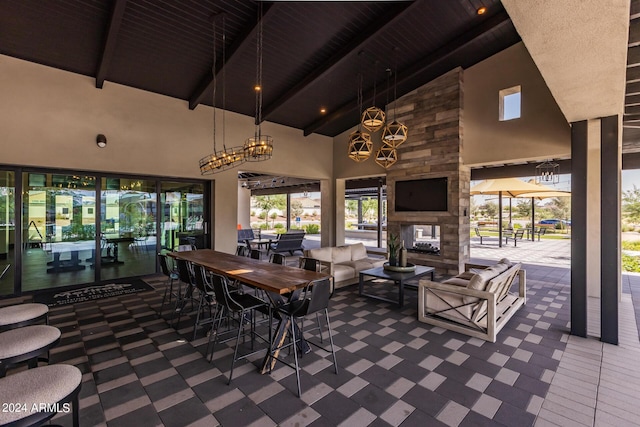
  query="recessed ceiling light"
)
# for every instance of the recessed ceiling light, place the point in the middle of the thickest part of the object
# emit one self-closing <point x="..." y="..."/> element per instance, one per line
<point x="323" y="110"/>
<point x="481" y="10"/>
<point x="257" y="88"/>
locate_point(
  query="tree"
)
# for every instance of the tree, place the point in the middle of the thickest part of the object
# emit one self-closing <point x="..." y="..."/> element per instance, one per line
<point x="267" y="203"/>
<point x="296" y="209"/>
<point x="560" y="207"/>
<point x="491" y="209"/>
<point x="351" y="207"/>
<point x="631" y="205"/>
<point x="370" y="208"/>
<point x="523" y="208"/>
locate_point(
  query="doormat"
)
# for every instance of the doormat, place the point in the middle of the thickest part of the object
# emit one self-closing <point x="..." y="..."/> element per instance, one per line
<point x="91" y="293"/>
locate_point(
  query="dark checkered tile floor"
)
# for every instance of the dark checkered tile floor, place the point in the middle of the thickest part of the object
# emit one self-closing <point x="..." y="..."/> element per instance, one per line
<point x="393" y="370"/>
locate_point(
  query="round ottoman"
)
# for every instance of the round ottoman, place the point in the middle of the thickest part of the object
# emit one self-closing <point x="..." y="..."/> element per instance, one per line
<point x="28" y="343"/>
<point x="36" y="395"/>
<point x="17" y="316"/>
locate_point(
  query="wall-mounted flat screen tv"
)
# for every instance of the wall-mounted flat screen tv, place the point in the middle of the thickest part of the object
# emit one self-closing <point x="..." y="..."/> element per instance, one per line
<point x="421" y="195"/>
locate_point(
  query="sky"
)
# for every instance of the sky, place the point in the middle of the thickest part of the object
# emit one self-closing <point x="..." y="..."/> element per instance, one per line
<point x="629" y="178"/>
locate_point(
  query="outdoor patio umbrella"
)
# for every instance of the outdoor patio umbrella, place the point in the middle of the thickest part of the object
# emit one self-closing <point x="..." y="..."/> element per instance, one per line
<point x="511" y="187"/>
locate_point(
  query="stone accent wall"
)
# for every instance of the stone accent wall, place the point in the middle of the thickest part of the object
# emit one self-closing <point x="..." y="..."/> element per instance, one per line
<point x="434" y="117"/>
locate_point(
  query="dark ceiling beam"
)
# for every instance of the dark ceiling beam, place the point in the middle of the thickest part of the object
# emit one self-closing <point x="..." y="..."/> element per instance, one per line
<point x="245" y="37"/>
<point x="631" y="110"/>
<point x="633" y="88"/>
<point x="515" y="171"/>
<point x="422" y="67"/>
<point x="633" y="73"/>
<point x="386" y="20"/>
<point x="630" y="118"/>
<point x="632" y="99"/>
<point x="633" y="56"/>
<point x="634" y="32"/>
<point x="110" y="41"/>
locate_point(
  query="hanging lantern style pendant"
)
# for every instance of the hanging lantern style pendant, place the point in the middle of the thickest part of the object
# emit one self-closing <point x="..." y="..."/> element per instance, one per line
<point x="548" y="173"/>
<point x="360" y="146"/>
<point x="373" y="119"/>
<point x="386" y="156"/>
<point x="258" y="148"/>
<point x="394" y="134"/>
<point x="221" y="160"/>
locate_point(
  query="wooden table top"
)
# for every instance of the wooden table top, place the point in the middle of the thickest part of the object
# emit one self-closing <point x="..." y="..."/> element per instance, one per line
<point x="264" y="275"/>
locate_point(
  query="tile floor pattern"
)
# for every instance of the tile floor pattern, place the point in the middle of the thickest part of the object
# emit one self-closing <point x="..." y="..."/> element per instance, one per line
<point x="394" y="370"/>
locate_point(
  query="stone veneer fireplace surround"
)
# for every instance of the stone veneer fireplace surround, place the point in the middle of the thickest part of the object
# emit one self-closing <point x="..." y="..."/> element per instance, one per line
<point x="434" y="116"/>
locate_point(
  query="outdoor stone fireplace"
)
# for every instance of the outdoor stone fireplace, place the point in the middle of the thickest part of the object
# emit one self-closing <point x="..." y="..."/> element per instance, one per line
<point x="434" y="117"/>
<point x="421" y="239"/>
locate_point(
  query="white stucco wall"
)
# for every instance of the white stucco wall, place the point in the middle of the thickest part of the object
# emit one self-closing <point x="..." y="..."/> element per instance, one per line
<point x="541" y="132"/>
<point x="50" y="118"/>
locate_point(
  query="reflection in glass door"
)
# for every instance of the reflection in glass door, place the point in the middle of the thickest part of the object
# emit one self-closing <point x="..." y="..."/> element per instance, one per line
<point x="58" y="230"/>
<point x="128" y="223"/>
<point x="7" y="231"/>
<point x="183" y="215"/>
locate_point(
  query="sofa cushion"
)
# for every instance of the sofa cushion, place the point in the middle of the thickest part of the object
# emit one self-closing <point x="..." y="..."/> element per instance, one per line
<point x="458" y="281"/>
<point x="322" y="254"/>
<point x="481" y="278"/>
<point x="341" y="254"/>
<point x="376" y="262"/>
<point x="359" y="265"/>
<point x="466" y="275"/>
<point x="358" y="251"/>
<point x="343" y="272"/>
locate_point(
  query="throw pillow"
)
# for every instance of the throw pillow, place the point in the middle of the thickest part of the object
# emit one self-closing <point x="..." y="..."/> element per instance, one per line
<point x="479" y="280"/>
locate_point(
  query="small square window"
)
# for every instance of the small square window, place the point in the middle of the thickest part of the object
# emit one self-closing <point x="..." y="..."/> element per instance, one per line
<point x="510" y="101"/>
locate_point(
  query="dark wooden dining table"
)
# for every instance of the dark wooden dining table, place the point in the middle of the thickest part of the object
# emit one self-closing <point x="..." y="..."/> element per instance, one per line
<point x="276" y="278"/>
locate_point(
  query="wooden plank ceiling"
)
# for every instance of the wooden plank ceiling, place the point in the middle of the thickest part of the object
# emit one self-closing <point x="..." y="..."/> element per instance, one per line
<point x="313" y="51"/>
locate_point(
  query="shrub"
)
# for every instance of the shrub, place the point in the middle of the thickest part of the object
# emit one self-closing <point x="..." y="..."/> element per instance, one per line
<point x="630" y="263"/>
<point x="278" y="225"/>
<point x="312" y="228"/>
<point x="263" y="226"/>
<point x="631" y="246"/>
<point x="263" y="215"/>
<point x="280" y="230"/>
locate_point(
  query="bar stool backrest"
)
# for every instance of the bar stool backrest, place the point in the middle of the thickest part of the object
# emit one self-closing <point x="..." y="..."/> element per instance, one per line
<point x="183" y="271"/>
<point x="223" y="296"/>
<point x="164" y="266"/>
<point x="277" y="258"/>
<point x="310" y="264"/>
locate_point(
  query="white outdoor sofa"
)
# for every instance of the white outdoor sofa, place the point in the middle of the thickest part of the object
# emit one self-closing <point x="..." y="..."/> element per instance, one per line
<point x="345" y="263"/>
<point x="477" y="302"/>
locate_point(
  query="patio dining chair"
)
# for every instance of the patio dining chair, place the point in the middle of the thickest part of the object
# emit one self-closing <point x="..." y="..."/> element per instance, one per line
<point x="314" y="299"/>
<point x="244" y="306"/>
<point x="172" y="275"/>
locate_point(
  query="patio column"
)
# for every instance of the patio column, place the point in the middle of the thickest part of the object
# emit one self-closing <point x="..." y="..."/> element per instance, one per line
<point x="610" y="255"/>
<point x="595" y="219"/>
<point x="579" y="148"/>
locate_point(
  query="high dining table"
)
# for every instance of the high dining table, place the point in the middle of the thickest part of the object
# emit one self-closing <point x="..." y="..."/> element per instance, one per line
<point x="276" y="278"/>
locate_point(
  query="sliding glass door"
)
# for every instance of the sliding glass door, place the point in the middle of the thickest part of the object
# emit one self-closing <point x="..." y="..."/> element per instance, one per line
<point x="7" y="231"/>
<point x="78" y="228"/>
<point x="128" y="222"/>
<point x="183" y="215"/>
<point x="58" y="230"/>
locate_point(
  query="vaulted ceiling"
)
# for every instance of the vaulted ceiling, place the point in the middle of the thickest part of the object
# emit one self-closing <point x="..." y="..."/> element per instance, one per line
<point x="313" y="51"/>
